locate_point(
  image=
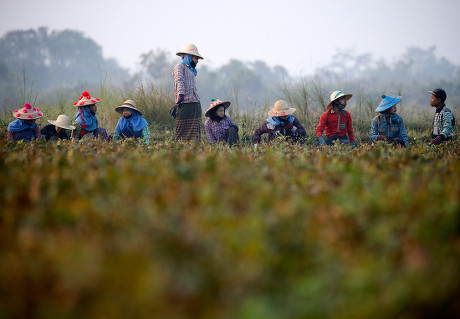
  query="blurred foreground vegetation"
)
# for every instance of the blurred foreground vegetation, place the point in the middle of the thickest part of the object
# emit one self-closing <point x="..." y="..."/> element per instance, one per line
<point x="111" y="230"/>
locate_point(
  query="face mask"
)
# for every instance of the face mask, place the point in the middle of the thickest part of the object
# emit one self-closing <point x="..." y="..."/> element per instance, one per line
<point x="127" y="117"/>
<point x="193" y="64"/>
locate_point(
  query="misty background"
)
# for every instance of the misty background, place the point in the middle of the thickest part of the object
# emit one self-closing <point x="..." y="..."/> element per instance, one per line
<point x="254" y="52"/>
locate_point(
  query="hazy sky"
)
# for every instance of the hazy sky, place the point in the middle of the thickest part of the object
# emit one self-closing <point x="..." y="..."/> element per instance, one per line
<point x="299" y="35"/>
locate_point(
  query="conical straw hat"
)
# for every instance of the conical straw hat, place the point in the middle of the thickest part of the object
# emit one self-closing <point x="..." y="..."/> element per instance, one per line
<point x="63" y="121"/>
<point x="214" y="104"/>
<point x="129" y="104"/>
<point x="86" y="99"/>
<point x="337" y="95"/>
<point x="27" y="113"/>
<point x="190" y="49"/>
<point x="281" y="108"/>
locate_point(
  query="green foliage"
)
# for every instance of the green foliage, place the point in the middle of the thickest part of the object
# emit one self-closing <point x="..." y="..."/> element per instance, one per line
<point x="98" y="230"/>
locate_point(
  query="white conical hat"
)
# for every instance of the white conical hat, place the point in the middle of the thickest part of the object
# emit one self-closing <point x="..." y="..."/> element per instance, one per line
<point x="63" y="121"/>
<point x="190" y="49"/>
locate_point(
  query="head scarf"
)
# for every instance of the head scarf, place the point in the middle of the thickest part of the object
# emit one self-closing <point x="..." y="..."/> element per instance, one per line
<point x="134" y="123"/>
<point x="20" y="125"/>
<point x="84" y="115"/>
<point x="275" y="120"/>
<point x="187" y="60"/>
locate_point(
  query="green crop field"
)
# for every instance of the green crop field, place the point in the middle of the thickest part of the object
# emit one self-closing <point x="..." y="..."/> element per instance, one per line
<point x="111" y="230"/>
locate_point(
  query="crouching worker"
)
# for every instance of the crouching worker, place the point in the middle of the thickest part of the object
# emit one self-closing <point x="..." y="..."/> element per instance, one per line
<point x="219" y="126"/>
<point x="389" y="126"/>
<point x="25" y="127"/>
<point x="336" y="121"/>
<point x="86" y="123"/>
<point x="444" y="120"/>
<point x="281" y="123"/>
<point x="131" y="124"/>
<point x="57" y="129"/>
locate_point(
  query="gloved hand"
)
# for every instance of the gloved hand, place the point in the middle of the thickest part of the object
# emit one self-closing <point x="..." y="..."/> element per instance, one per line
<point x="320" y="140"/>
<point x="353" y="144"/>
<point x="382" y="137"/>
<point x="437" y="140"/>
<point x="180" y="99"/>
<point x="289" y="126"/>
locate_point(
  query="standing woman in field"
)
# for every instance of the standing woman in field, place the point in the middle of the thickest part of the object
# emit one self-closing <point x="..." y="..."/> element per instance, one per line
<point x="336" y="121"/>
<point x="389" y="126"/>
<point x="86" y="122"/>
<point x="25" y="127"/>
<point x="188" y="112"/>
<point x="219" y="126"/>
<point x="131" y="124"/>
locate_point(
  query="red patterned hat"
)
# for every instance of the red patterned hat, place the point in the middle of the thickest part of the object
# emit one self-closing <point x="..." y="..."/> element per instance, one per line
<point x="86" y="99"/>
<point x="28" y="113"/>
<point x="216" y="103"/>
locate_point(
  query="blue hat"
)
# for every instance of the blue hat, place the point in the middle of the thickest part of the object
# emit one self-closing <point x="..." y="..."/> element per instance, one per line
<point x="387" y="102"/>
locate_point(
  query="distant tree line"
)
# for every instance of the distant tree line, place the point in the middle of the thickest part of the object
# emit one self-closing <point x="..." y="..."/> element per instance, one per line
<point x="49" y="61"/>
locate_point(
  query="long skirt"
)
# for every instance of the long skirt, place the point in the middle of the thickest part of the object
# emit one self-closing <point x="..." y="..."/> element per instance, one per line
<point x="188" y="122"/>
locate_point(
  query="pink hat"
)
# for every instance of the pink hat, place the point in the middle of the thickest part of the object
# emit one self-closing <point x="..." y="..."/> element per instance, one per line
<point x="86" y="99"/>
<point x="28" y="113"/>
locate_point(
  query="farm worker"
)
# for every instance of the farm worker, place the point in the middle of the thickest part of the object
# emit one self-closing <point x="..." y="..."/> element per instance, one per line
<point x="389" y="126"/>
<point x="131" y="124"/>
<point x="219" y="126"/>
<point x="188" y="112"/>
<point x="281" y="122"/>
<point x="444" y="120"/>
<point x="57" y="129"/>
<point x="86" y="120"/>
<point x="336" y="121"/>
<point x="24" y="127"/>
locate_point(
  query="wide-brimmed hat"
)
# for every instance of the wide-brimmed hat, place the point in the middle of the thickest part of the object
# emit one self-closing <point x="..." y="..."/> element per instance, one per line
<point x="28" y="113"/>
<point x="190" y="49"/>
<point x="281" y="108"/>
<point x="337" y="95"/>
<point x="86" y="99"/>
<point x="62" y="121"/>
<point x="214" y="104"/>
<point x="387" y="102"/>
<point x="128" y="104"/>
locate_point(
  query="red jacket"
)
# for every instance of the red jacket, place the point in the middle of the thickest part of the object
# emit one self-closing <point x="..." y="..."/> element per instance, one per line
<point x="330" y="121"/>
